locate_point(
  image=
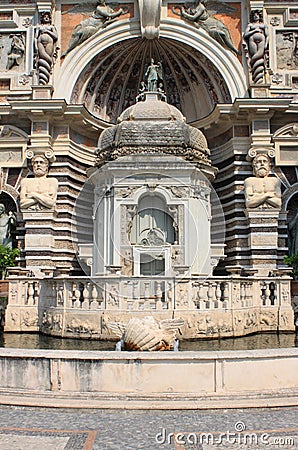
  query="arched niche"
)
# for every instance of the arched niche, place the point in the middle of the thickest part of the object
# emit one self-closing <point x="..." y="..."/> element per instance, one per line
<point x="292" y="223"/>
<point x="152" y="224"/>
<point x="104" y="73"/>
<point x="8" y="220"/>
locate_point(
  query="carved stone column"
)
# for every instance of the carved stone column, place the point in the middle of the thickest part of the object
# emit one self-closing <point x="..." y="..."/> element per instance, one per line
<point x="263" y="204"/>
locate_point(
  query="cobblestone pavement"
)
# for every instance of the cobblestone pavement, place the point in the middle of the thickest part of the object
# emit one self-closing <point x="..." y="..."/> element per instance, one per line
<point x="81" y="429"/>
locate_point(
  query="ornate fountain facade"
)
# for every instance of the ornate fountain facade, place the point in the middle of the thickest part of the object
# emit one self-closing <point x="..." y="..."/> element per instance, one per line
<point x="149" y="165"/>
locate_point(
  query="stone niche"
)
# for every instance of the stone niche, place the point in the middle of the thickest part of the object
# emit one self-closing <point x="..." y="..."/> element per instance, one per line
<point x="152" y="216"/>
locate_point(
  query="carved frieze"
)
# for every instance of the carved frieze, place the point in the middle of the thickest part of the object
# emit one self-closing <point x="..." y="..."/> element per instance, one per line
<point x="125" y="192"/>
<point x="287" y="50"/>
<point x="52" y="321"/>
<point x="12" y="51"/>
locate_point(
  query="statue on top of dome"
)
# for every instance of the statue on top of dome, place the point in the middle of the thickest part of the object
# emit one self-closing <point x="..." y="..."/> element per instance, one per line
<point x="153" y="76"/>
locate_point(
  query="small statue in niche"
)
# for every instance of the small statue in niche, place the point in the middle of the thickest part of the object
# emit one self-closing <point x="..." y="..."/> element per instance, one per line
<point x="201" y="18"/>
<point x="7" y="223"/>
<point x="161" y="92"/>
<point x="100" y="18"/>
<point x="256" y="40"/>
<point x="16" y="53"/>
<point x="262" y="191"/>
<point x="153" y="75"/>
<point x="39" y="192"/>
<point x="45" y="40"/>
<point x="142" y="90"/>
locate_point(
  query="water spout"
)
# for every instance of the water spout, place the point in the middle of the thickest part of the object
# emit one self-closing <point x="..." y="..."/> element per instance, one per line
<point x="119" y="345"/>
<point x="176" y="345"/>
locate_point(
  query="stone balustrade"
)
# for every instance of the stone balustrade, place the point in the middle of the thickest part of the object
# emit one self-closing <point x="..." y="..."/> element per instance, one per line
<point x="142" y="293"/>
<point x="213" y="307"/>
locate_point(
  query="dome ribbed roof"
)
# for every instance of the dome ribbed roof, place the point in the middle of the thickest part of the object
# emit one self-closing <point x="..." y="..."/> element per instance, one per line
<point x="152" y="126"/>
<point x="151" y="108"/>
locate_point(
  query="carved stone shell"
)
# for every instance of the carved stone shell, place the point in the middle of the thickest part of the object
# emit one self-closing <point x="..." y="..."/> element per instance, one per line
<point x="143" y="338"/>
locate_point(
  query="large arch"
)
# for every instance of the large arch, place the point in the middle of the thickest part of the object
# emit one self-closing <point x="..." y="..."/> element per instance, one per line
<point x="221" y="72"/>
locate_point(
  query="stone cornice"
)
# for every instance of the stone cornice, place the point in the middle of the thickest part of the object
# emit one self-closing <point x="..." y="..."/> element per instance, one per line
<point x="243" y="111"/>
<point x="53" y="110"/>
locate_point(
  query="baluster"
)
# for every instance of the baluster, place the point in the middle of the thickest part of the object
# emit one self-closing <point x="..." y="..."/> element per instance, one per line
<point x="242" y="294"/>
<point x="226" y="296"/>
<point x="169" y="295"/>
<point x="94" y="297"/>
<point x="273" y="297"/>
<point x="267" y="294"/>
<point x="195" y="296"/>
<point x="76" y="296"/>
<point x="69" y="295"/>
<point x="201" y="295"/>
<point x="158" y="295"/>
<point x="217" y="294"/>
<point x="30" y="299"/>
<point x="146" y="289"/>
<point x="101" y="298"/>
<point x="251" y="298"/>
<point x="135" y="295"/>
<point x="36" y="292"/>
<point x="85" y="293"/>
<point x="60" y="295"/>
<point x="146" y="295"/>
<point x="210" y="294"/>
<point x="248" y="294"/>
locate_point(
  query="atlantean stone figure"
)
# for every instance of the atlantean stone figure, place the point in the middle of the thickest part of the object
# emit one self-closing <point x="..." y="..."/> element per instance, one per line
<point x="7" y="223"/>
<point x="262" y="191"/>
<point x="256" y="40"/>
<point x="39" y="192"/>
<point x="201" y="18"/>
<point x="100" y="18"/>
<point x="46" y="38"/>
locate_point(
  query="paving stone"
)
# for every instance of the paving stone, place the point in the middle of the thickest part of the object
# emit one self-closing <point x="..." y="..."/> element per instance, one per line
<point x="76" y="429"/>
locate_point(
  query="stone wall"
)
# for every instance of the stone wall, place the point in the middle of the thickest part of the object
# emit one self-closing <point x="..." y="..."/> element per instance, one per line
<point x="141" y="380"/>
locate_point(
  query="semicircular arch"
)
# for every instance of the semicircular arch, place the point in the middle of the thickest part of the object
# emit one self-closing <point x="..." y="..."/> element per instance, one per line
<point x="220" y="70"/>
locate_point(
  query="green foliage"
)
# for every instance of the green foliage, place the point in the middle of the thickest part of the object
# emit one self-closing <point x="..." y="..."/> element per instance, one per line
<point x="7" y="258"/>
<point x="293" y="262"/>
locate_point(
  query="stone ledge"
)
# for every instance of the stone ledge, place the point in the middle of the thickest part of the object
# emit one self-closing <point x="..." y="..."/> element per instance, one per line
<point x="268" y="399"/>
<point x="160" y="356"/>
<point x="135" y="380"/>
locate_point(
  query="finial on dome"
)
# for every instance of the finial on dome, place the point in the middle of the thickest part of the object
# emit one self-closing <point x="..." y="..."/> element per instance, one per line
<point x="153" y="82"/>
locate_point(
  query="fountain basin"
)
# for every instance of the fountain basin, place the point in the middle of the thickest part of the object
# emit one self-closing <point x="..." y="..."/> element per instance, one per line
<point x="167" y="380"/>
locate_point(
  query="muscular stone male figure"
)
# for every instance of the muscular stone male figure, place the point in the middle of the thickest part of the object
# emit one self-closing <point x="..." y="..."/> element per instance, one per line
<point x="39" y="192"/>
<point x="262" y="191"/>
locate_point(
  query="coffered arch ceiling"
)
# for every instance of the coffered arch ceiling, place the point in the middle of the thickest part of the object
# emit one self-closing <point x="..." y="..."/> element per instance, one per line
<point x="110" y="81"/>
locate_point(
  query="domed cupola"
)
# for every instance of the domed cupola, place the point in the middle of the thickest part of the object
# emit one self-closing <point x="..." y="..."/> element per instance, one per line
<point x="152" y="126"/>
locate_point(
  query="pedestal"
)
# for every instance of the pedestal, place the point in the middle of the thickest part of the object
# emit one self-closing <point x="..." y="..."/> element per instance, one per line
<point x="40" y="241"/>
<point x="263" y="240"/>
